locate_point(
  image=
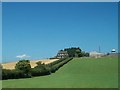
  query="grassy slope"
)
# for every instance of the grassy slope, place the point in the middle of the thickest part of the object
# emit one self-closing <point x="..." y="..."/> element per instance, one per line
<point x="78" y="73"/>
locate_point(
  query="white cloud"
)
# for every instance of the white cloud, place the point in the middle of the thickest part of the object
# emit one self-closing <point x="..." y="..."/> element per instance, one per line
<point x="22" y="56"/>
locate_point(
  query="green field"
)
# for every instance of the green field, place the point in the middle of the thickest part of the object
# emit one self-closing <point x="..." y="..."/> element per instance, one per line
<point x="78" y="73"/>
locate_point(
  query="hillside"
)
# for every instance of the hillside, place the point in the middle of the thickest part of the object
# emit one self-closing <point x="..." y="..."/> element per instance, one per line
<point x="78" y="73"/>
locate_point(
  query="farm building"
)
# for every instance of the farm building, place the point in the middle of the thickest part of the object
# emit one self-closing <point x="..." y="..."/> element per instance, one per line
<point x="62" y="54"/>
<point x="96" y="54"/>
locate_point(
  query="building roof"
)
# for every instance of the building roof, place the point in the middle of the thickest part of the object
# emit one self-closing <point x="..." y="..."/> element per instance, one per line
<point x="63" y="52"/>
<point x="95" y="53"/>
<point x="113" y="50"/>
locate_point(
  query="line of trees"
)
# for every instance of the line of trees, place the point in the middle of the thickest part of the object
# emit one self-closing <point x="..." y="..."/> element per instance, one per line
<point x="23" y="69"/>
<point x="76" y="52"/>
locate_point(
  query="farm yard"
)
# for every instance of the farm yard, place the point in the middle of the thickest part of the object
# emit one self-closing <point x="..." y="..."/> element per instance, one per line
<point x="78" y="73"/>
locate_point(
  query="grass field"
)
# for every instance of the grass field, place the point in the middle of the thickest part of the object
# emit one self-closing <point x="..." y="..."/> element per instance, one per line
<point x="78" y="73"/>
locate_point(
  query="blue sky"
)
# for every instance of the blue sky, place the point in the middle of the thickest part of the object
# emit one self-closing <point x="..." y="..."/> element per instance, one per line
<point x="0" y="32"/>
<point x="39" y="30"/>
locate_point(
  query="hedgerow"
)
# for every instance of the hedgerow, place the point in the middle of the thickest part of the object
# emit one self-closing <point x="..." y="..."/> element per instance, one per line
<point x="39" y="70"/>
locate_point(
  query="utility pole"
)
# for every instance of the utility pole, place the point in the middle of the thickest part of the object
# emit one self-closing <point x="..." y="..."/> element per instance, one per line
<point x="99" y="49"/>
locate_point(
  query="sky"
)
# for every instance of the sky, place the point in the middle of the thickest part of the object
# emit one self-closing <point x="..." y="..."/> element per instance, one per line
<point x="60" y="0"/>
<point x="0" y="32"/>
<point x="39" y="30"/>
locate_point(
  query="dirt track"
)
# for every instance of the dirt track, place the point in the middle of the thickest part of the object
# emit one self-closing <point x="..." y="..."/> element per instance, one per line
<point x="11" y="65"/>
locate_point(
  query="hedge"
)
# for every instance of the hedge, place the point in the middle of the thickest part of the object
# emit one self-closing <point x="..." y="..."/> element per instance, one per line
<point x="40" y="71"/>
<point x="49" y="68"/>
<point x="37" y="71"/>
<point x="55" y="67"/>
<point x="14" y="74"/>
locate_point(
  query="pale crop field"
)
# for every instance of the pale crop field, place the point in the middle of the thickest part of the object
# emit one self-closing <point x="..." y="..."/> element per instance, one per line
<point x="11" y="65"/>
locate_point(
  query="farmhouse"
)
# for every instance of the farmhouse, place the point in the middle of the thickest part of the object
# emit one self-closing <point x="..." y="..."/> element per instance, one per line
<point x="96" y="54"/>
<point x="62" y="54"/>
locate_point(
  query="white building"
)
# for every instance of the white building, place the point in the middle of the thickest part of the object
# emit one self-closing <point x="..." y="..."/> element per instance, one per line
<point x="96" y="54"/>
<point x="62" y="54"/>
<point x="113" y="51"/>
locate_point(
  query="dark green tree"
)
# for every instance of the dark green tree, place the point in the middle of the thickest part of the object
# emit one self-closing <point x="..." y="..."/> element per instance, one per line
<point x="1" y="66"/>
<point x="1" y="71"/>
<point x="24" y="65"/>
<point x="43" y="69"/>
<point x="73" y="52"/>
<point x="76" y="52"/>
<point x="40" y="65"/>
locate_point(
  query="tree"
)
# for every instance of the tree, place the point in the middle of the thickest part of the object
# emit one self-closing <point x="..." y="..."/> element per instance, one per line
<point x="1" y="66"/>
<point x="76" y="52"/>
<point x="73" y="52"/>
<point x="41" y="66"/>
<point x="42" y="69"/>
<point x="24" y="65"/>
<point x="1" y="71"/>
<point x="87" y="54"/>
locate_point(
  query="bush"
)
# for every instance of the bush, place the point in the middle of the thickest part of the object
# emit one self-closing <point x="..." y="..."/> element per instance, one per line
<point x="24" y="70"/>
<point x="56" y="62"/>
<point x="12" y="74"/>
<point x="40" y="69"/>
<point x="24" y="66"/>
<point x="1" y="71"/>
<point x="39" y="72"/>
<point x="55" y="67"/>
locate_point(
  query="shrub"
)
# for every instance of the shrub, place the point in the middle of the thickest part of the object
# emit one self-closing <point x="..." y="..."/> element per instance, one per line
<point x="56" y="66"/>
<point x="12" y="74"/>
<point x="24" y="66"/>
<point x="1" y="71"/>
<point x="39" y="72"/>
<point x="24" y="70"/>
<point x="40" y="69"/>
